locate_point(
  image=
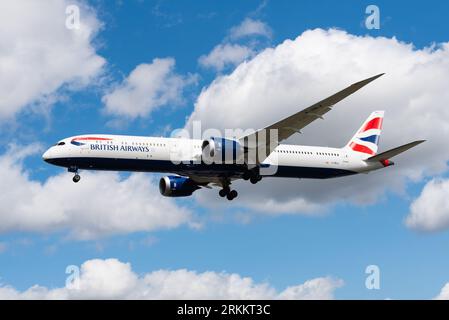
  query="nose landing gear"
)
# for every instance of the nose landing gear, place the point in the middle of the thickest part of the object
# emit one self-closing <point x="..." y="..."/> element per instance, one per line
<point x="76" y="178"/>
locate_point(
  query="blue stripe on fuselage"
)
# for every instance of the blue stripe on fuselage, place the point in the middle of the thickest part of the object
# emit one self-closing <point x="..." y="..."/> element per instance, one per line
<point x="166" y="166"/>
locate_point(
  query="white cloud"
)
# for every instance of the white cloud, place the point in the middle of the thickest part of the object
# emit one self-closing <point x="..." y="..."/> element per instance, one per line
<point x="39" y="55"/>
<point x="282" y="80"/>
<point x="101" y="204"/>
<point x="225" y="55"/>
<point x="229" y="54"/>
<point x="112" y="279"/>
<point x="430" y="211"/>
<point x="148" y="86"/>
<point x="250" y="27"/>
<point x="444" y="293"/>
<point x="318" y="288"/>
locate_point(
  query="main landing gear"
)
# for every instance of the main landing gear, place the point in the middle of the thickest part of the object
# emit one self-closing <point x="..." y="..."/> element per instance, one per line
<point x="252" y="176"/>
<point x="228" y="193"/>
<point x="76" y="178"/>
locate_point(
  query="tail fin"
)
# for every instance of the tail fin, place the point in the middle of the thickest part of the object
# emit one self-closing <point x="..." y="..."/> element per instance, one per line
<point x="366" y="139"/>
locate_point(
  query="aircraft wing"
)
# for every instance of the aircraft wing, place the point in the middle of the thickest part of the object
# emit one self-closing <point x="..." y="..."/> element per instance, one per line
<point x="294" y="123"/>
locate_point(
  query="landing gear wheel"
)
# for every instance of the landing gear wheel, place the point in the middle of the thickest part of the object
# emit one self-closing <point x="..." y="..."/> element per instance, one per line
<point x="76" y="178"/>
<point x="222" y="193"/>
<point x="255" y="179"/>
<point x="246" y="176"/>
<point x="231" y="195"/>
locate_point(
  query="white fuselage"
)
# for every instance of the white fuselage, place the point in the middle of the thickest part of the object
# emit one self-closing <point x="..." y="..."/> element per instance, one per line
<point x="183" y="156"/>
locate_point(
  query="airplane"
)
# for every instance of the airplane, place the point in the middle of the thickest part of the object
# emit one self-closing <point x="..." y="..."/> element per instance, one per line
<point x="231" y="158"/>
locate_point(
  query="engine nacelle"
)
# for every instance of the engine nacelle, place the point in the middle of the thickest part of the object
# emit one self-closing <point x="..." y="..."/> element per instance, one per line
<point x="177" y="186"/>
<point x="222" y="150"/>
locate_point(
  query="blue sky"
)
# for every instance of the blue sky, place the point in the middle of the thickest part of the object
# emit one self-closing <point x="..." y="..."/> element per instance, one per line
<point x="281" y="249"/>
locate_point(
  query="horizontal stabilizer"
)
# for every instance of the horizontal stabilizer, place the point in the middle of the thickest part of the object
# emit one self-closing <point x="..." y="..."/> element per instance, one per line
<point x="394" y="152"/>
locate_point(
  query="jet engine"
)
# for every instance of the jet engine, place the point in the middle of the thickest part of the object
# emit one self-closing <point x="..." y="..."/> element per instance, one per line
<point x="221" y="150"/>
<point x="177" y="186"/>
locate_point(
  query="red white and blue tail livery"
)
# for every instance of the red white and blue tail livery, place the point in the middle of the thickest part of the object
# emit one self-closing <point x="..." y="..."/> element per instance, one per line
<point x="366" y="139"/>
<point x="192" y="164"/>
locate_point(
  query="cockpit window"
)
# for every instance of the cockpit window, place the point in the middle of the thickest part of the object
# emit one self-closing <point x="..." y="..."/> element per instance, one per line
<point x="60" y="143"/>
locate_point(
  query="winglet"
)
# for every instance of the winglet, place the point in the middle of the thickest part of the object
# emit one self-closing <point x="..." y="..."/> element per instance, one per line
<point x="363" y="83"/>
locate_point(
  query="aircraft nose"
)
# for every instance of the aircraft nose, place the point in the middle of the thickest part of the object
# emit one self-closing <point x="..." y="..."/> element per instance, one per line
<point x="47" y="155"/>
